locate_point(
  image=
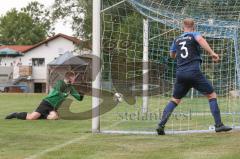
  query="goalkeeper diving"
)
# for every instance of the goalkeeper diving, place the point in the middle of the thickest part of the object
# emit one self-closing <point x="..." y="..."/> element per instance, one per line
<point x="48" y="107"/>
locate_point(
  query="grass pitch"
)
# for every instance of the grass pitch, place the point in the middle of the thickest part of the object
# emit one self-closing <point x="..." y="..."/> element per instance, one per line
<point x="65" y="139"/>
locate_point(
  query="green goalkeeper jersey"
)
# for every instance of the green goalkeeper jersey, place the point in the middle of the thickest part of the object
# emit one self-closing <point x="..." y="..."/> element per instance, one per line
<point x="59" y="92"/>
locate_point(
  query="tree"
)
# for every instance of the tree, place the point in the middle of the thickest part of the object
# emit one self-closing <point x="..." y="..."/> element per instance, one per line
<point x="40" y="15"/>
<point x="18" y="28"/>
<point x="78" y="13"/>
<point x="26" y="27"/>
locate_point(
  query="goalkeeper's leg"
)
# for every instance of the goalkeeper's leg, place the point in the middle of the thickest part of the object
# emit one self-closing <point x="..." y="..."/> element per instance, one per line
<point x="53" y="115"/>
<point x="24" y="116"/>
<point x="41" y="112"/>
<point x="20" y="115"/>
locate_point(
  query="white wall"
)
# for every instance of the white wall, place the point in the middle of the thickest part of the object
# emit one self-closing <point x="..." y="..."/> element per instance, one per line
<point x="6" y="61"/>
<point x="5" y="73"/>
<point x="48" y="51"/>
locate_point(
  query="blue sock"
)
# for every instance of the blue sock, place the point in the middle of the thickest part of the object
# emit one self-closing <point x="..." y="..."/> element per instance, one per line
<point x="215" y="111"/>
<point x="167" y="112"/>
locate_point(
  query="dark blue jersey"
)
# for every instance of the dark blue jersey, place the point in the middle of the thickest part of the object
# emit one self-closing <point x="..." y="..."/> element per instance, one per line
<point x="188" y="53"/>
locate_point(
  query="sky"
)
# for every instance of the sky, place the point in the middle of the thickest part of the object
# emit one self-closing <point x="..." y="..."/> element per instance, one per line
<point x="18" y="4"/>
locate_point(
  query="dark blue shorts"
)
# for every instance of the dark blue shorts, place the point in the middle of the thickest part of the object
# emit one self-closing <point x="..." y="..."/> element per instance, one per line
<point x="191" y="79"/>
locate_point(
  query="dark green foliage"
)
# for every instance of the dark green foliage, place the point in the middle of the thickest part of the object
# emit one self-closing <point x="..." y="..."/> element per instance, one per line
<point x="18" y="28"/>
<point x="40" y="16"/>
<point x="76" y="12"/>
<point x="26" y="27"/>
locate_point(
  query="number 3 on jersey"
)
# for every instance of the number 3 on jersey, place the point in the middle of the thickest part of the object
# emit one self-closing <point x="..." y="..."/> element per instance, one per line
<point x="185" y="49"/>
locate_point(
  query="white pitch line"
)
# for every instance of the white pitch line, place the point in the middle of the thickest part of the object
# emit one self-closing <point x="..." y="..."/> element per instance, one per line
<point x="155" y="133"/>
<point x="44" y="152"/>
<point x="169" y="132"/>
<point x="37" y="155"/>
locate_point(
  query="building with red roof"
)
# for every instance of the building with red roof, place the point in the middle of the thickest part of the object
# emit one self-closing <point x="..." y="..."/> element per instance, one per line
<point x="33" y="64"/>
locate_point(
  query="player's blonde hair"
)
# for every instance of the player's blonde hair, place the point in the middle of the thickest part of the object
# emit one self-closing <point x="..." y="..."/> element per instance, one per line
<point x="189" y="23"/>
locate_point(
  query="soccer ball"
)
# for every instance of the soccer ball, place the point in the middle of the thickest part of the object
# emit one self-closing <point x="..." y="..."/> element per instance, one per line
<point x="118" y="97"/>
<point x="211" y="127"/>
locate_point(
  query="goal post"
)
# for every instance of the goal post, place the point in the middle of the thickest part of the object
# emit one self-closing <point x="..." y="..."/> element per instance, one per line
<point x="145" y="66"/>
<point x="96" y="51"/>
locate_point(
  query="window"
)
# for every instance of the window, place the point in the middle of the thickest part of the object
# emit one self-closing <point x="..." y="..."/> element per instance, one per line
<point x="38" y="61"/>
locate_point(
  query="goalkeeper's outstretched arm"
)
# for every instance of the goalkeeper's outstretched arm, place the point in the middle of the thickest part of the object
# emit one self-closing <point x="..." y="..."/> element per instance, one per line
<point x="76" y="94"/>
